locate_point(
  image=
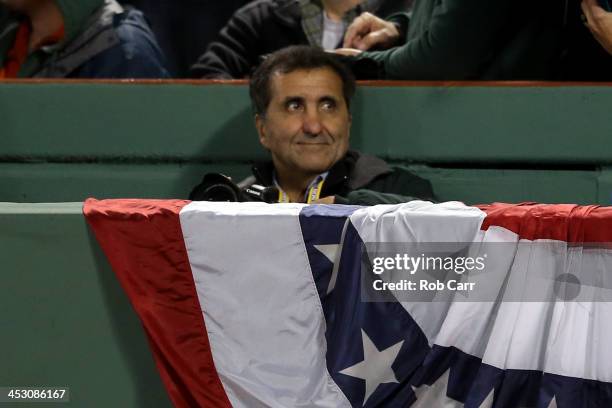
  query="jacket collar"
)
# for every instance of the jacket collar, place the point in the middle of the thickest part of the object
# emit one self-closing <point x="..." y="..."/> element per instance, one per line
<point x="287" y="12"/>
<point x="290" y="11"/>
<point x="352" y="172"/>
<point x="366" y="169"/>
<point x="101" y="20"/>
<point x="76" y="14"/>
<point x="98" y="36"/>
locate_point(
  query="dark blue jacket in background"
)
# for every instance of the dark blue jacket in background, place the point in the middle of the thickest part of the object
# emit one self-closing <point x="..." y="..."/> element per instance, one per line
<point x="136" y="55"/>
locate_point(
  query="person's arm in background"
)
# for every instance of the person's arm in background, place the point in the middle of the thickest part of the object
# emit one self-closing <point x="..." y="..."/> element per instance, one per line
<point x="599" y="21"/>
<point x="460" y="36"/>
<point x="234" y="53"/>
<point x="369" y="32"/>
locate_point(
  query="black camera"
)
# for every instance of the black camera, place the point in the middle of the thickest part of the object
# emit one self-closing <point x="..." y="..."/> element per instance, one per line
<point x="219" y="187"/>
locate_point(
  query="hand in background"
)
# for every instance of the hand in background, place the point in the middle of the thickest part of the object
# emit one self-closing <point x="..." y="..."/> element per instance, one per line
<point x="599" y="22"/>
<point x="368" y="31"/>
<point x="348" y="52"/>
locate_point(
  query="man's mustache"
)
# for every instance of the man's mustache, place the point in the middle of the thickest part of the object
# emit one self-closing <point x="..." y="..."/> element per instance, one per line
<point x="321" y="138"/>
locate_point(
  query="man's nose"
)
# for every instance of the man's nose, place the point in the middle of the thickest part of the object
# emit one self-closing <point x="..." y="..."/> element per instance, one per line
<point x="311" y="122"/>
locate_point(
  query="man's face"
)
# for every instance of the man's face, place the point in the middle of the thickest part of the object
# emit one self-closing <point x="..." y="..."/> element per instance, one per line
<point x="307" y="124"/>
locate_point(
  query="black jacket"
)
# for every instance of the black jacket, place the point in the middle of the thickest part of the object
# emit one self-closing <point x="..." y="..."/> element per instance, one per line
<point x="360" y="179"/>
<point x="257" y="29"/>
<point x="260" y="28"/>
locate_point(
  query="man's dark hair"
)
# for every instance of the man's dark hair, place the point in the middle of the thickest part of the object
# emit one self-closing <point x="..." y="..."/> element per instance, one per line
<point x="291" y="59"/>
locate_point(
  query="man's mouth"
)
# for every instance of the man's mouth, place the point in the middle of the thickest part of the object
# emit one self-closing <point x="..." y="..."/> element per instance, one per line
<point x="314" y="142"/>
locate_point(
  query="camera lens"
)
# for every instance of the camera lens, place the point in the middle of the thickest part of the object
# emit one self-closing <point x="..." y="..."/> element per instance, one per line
<point x="219" y="192"/>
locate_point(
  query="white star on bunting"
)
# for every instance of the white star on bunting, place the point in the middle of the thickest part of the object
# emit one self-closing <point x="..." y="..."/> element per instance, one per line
<point x="375" y="369"/>
<point x="434" y="395"/>
<point x="330" y="251"/>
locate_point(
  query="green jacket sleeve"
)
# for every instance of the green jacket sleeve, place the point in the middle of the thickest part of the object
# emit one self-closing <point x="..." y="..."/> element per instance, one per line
<point x="448" y="39"/>
<point x="401" y="21"/>
<point x="399" y="186"/>
<point x="370" y="197"/>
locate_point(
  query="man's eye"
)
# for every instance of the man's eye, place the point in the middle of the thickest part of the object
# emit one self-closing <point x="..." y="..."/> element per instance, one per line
<point x="293" y="106"/>
<point x="328" y="105"/>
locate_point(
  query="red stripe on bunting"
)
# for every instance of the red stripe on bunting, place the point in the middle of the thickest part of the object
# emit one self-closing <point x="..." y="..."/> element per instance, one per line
<point x="562" y="222"/>
<point x="143" y="241"/>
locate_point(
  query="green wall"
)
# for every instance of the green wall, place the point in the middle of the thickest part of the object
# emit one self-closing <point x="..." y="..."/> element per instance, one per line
<point x="427" y="124"/>
<point x="68" y="182"/>
<point x="64" y="319"/>
<point x="65" y="142"/>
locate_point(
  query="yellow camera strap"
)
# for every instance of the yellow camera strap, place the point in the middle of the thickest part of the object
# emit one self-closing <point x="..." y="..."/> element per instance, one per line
<point x="314" y="193"/>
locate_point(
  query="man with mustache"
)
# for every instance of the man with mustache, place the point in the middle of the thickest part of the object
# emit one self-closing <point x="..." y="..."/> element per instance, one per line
<point x="301" y="98"/>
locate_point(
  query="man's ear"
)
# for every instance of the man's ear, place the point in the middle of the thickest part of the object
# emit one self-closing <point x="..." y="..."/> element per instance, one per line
<point x="261" y="131"/>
